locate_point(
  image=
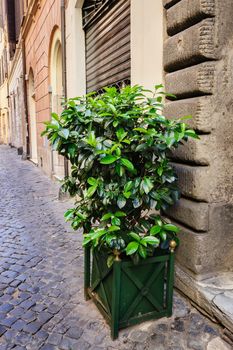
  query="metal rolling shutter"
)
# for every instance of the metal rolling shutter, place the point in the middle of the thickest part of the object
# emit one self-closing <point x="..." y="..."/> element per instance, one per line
<point x="18" y="17"/>
<point x="108" y="45"/>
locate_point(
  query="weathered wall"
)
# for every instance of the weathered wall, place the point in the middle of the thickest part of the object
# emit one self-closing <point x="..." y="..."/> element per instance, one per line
<point x="198" y="61"/>
<point x="17" y="108"/>
<point x="37" y="45"/>
<point x="4" y="110"/>
<point x="75" y="49"/>
<point x="4" y="115"/>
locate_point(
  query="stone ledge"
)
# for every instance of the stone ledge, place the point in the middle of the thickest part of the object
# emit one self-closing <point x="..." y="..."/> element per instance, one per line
<point x="213" y="295"/>
<point x="192" y="46"/>
<point x="188" y="12"/>
<point x="198" y="107"/>
<point x="192" y="81"/>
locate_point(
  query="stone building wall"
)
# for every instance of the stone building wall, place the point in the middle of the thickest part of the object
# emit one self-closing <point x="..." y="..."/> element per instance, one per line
<point x="16" y="102"/>
<point x="46" y="18"/>
<point x="198" y="64"/>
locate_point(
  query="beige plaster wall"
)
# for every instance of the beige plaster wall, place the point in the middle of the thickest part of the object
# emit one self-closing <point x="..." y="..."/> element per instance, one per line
<point x="146" y="42"/>
<point x="75" y="49"/>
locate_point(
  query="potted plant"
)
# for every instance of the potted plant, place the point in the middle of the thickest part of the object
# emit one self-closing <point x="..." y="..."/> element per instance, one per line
<point x="118" y="144"/>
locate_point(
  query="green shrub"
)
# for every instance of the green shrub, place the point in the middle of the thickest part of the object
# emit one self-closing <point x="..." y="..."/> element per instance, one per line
<point x="118" y="144"/>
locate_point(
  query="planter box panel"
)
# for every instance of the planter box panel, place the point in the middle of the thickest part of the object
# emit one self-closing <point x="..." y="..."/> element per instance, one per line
<point x="142" y="289"/>
<point x="129" y="293"/>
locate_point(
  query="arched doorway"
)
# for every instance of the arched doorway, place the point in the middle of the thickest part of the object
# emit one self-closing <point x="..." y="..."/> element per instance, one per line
<point x="55" y="65"/>
<point x="32" y="118"/>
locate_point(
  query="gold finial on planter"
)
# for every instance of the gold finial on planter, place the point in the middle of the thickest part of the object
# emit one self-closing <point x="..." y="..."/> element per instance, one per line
<point x="117" y="254"/>
<point x="172" y="246"/>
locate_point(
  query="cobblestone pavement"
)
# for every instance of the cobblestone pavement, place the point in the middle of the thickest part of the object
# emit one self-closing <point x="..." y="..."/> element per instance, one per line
<point x="41" y="279"/>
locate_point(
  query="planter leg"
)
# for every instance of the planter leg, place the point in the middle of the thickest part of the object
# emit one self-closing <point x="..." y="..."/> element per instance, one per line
<point x="170" y="283"/>
<point x="87" y="275"/>
<point x="116" y="298"/>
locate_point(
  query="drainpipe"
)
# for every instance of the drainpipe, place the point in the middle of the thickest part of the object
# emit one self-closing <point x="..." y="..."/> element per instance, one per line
<point x="25" y="100"/>
<point x="64" y="77"/>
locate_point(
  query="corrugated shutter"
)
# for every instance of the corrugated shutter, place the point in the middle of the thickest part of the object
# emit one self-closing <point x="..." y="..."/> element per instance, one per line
<point x="10" y="9"/>
<point x="108" y="47"/>
<point x="18" y="17"/>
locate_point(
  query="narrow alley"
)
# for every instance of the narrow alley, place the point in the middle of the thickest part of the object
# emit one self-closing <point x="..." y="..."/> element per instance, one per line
<point x="41" y="279"/>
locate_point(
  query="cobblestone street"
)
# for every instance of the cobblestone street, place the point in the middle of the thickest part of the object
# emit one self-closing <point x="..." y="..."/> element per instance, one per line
<point x="41" y="279"/>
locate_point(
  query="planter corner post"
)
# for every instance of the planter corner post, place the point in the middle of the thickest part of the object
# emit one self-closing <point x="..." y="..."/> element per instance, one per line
<point x="87" y="271"/>
<point x="170" y="278"/>
<point x="116" y="297"/>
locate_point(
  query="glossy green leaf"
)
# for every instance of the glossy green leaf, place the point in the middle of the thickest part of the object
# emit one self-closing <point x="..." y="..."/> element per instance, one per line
<point x="142" y="251"/>
<point x="121" y="134"/>
<point x="106" y="216"/>
<point x="92" y="181"/>
<point x="131" y="248"/>
<point x="110" y="260"/>
<point x="108" y="159"/>
<point x="128" y="186"/>
<point x="155" y="229"/>
<point x="113" y="228"/>
<point x="147" y="185"/>
<point x="91" y="190"/>
<point x="121" y="202"/>
<point x="116" y="221"/>
<point x="163" y="235"/>
<point x="170" y="227"/>
<point x="135" y="236"/>
<point x="151" y="240"/>
<point x="126" y="194"/>
<point x="120" y="214"/>
<point x="64" y="133"/>
<point x="137" y="202"/>
<point x="127" y="164"/>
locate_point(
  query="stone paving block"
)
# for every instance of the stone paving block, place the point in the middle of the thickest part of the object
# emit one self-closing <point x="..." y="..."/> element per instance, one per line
<point x="33" y="327"/>
<point x="8" y="321"/>
<point x="27" y="304"/>
<point x="5" y="308"/>
<point x="48" y="347"/>
<point x="2" y="330"/>
<point x="19" y="325"/>
<point x="74" y="332"/>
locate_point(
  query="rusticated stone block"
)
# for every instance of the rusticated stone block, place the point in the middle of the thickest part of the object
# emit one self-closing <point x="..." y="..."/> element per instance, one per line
<point x="188" y="12"/>
<point x="194" y="151"/>
<point x="196" y="80"/>
<point x="169" y="3"/>
<point x="212" y="251"/>
<point x="194" y="181"/>
<point x="198" y="107"/>
<point x="193" y="250"/>
<point x="192" y="46"/>
<point x="190" y="213"/>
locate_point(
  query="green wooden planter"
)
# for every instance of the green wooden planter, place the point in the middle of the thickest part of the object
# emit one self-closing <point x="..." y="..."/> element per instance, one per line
<point x="126" y="293"/>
